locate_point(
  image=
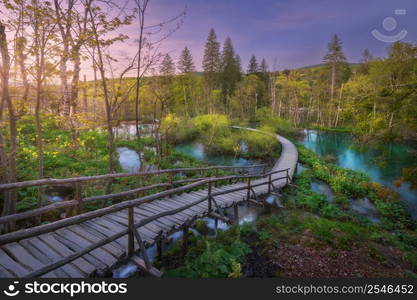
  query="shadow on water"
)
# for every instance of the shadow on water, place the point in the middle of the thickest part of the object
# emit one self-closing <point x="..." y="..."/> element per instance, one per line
<point x="383" y="163"/>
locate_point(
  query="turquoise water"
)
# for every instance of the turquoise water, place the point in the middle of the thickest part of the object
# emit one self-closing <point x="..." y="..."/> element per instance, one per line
<point x="197" y="151"/>
<point x="383" y="163"/>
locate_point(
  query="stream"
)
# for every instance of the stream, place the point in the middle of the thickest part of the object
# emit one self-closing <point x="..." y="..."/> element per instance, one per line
<point x="339" y="145"/>
<point x="383" y="163"/>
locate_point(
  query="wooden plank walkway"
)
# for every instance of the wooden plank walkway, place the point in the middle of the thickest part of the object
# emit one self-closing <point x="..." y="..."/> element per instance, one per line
<point x="18" y="259"/>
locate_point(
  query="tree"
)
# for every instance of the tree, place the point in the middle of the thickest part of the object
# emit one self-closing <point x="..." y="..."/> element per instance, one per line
<point x="211" y="66"/>
<point x="147" y="54"/>
<point x="187" y="68"/>
<point x="333" y="59"/>
<point x="238" y="63"/>
<point x="253" y="66"/>
<point x="366" y="59"/>
<point x="185" y="63"/>
<point x="167" y="67"/>
<point x="72" y="24"/>
<point x="40" y="16"/>
<point x="264" y="67"/>
<point x="230" y="71"/>
<point x="8" y="162"/>
<point x="99" y="24"/>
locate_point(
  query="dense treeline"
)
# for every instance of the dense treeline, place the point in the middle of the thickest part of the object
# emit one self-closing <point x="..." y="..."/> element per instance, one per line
<point x="376" y="97"/>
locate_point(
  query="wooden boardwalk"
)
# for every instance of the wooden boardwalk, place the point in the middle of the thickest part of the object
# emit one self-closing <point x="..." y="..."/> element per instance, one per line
<point x="24" y="257"/>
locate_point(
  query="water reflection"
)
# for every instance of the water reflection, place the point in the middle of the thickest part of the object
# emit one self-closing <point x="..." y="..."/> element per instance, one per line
<point x="129" y="159"/>
<point x="322" y="188"/>
<point x="382" y="163"/>
<point x="365" y="208"/>
<point x="197" y="151"/>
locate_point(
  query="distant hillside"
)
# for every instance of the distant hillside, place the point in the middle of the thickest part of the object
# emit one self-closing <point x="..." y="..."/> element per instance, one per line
<point x="322" y="65"/>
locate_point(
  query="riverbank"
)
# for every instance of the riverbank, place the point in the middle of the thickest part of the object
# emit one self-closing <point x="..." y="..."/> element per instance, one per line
<point x="386" y="164"/>
<point x="309" y="237"/>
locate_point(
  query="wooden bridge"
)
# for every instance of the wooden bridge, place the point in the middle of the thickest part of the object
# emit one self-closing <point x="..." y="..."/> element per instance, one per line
<point x="92" y="243"/>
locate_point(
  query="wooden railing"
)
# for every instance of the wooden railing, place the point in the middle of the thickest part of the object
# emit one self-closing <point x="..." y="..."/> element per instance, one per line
<point x="132" y="230"/>
<point x="79" y="200"/>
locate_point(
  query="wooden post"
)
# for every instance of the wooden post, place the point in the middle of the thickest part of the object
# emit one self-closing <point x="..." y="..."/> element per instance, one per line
<point x="170" y="180"/>
<point x="142" y="249"/>
<point x="269" y="183"/>
<point x="236" y="213"/>
<point x="159" y="248"/>
<point x="216" y="175"/>
<point x="216" y="224"/>
<point x="209" y="197"/>
<point x="130" y="235"/>
<point x="249" y="187"/>
<point x="185" y="230"/>
<point x="78" y="196"/>
<point x="288" y="176"/>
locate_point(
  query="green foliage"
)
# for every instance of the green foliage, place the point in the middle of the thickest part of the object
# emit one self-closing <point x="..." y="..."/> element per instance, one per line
<point x="347" y="183"/>
<point x="217" y="258"/>
<point x="336" y="233"/>
<point x="261" y="145"/>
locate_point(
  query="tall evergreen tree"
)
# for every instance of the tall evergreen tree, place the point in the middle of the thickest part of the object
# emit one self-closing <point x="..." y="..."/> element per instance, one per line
<point x="238" y="63"/>
<point x="167" y="67"/>
<point x="366" y="60"/>
<point x="211" y="59"/>
<point x="253" y="66"/>
<point x="185" y="63"/>
<point x="187" y="68"/>
<point x="334" y="59"/>
<point x="230" y="70"/>
<point x="366" y="56"/>
<point x="211" y="68"/>
<point x="264" y="66"/>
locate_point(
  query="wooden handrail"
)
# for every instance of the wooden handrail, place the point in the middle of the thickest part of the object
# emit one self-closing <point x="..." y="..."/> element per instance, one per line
<point x="141" y="223"/>
<point x="25" y="233"/>
<point x="52" y="181"/>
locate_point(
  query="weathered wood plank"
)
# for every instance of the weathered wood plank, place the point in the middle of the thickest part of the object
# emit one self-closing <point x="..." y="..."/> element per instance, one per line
<point x="122" y="242"/>
<point x="150" y="229"/>
<point x="69" y="269"/>
<point x="21" y="255"/>
<point x="165" y="222"/>
<point x="149" y="210"/>
<point x="11" y="265"/>
<point x="141" y="264"/>
<point x="80" y="263"/>
<point x="44" y="259"/>
<point x="101" y="255"/>
<point x="110" y="248"/>
<point x="4" y="273"/>
<point x="99" y="267"/>
<point x="192" y="211"/>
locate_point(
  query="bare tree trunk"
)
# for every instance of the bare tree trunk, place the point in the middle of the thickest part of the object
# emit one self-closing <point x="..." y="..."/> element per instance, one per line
<point x="338" y="107"/>
<point x="108" y="105"/>
<point x="10" y="173"/>
<point x="85" y="95"/>
<point x="141" y="16"/>
<point x="333" y="80"/>
<point x="185" y="101"/>
<point x="95" y="88"/>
